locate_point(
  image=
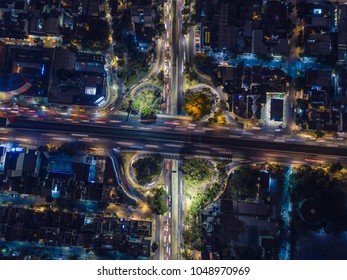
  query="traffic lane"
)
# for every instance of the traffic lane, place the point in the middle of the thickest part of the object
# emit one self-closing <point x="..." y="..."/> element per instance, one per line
<point x="186" y="151"/>
<point x="183" y="137"/>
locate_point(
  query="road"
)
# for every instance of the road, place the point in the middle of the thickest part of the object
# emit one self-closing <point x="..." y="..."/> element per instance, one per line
<point x="177" y="56"/>
<point x="174" y="58"/>
<point x="181" y="210"/>
<point x="118" y="166"/>
<point x="174" y="210"/>
<point x="166" y="228"/>
<point x="178" y="140"/>
<point x="182" y="143"/>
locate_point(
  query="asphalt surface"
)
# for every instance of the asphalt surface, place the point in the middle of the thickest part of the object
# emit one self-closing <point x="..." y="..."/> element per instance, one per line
<point x="174" y="59"/>
<point x="176" y="141"/>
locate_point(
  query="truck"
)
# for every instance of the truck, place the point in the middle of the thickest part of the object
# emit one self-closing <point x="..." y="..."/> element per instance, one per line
<point x="4" y="122"/>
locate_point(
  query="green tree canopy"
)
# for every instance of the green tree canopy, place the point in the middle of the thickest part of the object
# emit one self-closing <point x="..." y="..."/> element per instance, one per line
<point x="318" y="134"/>
<point x="147" y="103"/>
<point x="243" y="183"/>
<point x="276" y="170"/>
<point x="96" y="38"/>
<point x="198" y="104"/>
<point x="196" y="170"/>
<point x="335" y="166"/>
<point x="155" y="246"/>
<point x="147" y="168"/>
<point x="157" y="201"/>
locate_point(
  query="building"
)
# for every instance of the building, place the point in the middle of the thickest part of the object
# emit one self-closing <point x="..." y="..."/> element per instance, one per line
<point x="34" y="64"/>
<point x="342" y="32"/>
<point x="218" y="25"/>
<point x="90" y="8"/>
<point x="317" y="43"/>
<point x="141" y="12"/>
<point x="276" y="110"/>
<point x="78" y="79"/>
<point x="58" y="228"/>
<point x="14" y="21"/>
<point x="14" y="162"/>
<point x="274" y="22"/>
<point x="44" y="24"/>
<point x="143" y="36"/>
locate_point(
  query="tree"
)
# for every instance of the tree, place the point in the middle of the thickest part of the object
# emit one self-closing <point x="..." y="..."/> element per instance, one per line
<point x="308" y="183"/>
<point x="318" y="134"/>
<point x="193" y="234"/>
<point x="126" y="20"/>
<point x="196" y="170"/>
<point x="147" y="103"/>
<point x="157" y="201"/>
<point x="97" y="36"/>
<point x="147" y="168"/>
<point x="161" y="76"/>
<point x="159" y="29"/>
<point x="276" y="170"/>
<point x="218" y="117"/>
<point x="155" y="246"/>
<point x="335" y="166"/>
<point x="198" y="104"/>
<point x="243" y="183"/>
<point x="128" y="77"/>
<point x="119" y="49"/>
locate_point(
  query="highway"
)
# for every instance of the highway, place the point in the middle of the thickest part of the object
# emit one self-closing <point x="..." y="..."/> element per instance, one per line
<point x="174" y="58"/>
<point x="174" y="211"/>
<point x="177" y="141"/>
<point x="180" y="57"/>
